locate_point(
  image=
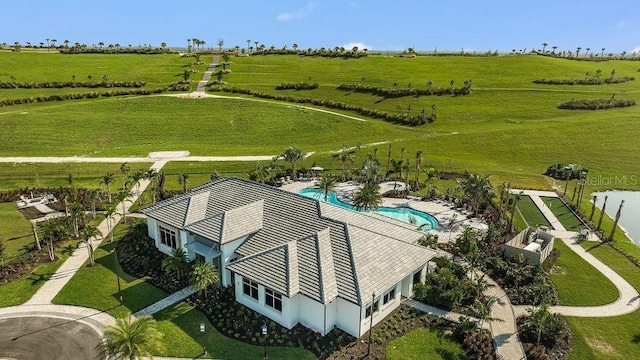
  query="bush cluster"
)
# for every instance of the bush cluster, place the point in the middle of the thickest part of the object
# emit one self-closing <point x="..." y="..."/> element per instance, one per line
<point x="404" y="119"/>
<point x="556" y="340"/>
<point x="561" y="172"/>
<point x="415" y="92"/>
<point x="71" y="84"/>
<point x="595" y="104"/>
<point x="297" y="86"/>
<point x="179" y="87"/>
<point x="127" y="50"/>
<point x="87" y="95"/>
<point x="329" y="53"/>
<point x="586" y="81"/>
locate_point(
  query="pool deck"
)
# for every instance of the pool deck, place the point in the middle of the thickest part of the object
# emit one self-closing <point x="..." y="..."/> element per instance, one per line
<point x="440" y="210"/>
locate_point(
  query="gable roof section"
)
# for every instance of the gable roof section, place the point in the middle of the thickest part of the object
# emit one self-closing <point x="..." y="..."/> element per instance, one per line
<point x="242" y="221"/>
<point x="197" y="207"/>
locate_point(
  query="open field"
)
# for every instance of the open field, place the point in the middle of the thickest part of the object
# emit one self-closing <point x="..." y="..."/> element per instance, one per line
<point x="531" y="213"/>
<point x="423" y="343"/>
<point x="15" y="232"/>
<point x="577" y="282"/>
<point x="563" y="213"/>
<point x="608" y="338"/>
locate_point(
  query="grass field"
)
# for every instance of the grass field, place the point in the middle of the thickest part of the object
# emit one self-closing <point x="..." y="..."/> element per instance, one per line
<point x="15" y="232"/>
<point x="531" y="213"/>
<point x="423" y="343"/>
<point x="571" y="273"/>
<point x="562" y="212"/>
<point x="608" y="338"/>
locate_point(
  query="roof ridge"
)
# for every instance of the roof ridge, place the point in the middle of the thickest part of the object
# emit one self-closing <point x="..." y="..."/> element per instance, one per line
<point x="293" y="277"/>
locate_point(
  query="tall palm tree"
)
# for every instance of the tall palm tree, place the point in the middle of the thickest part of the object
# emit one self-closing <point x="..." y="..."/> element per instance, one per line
<point x="220" y="45"/>
<point x="76" y="213"/>
<point x="135" y="178"/>
<point x="477" y="189"/>
<point x="368" y="197"/>
<point x="482" y="311"/>
<point x="89" y="232"/>
<point x="388" y="158"/>
<point x="202" y="276"/>
<point x="327" y="183"/>
<point x="293" y="155"/>
<point x="183" y="179"/>
<point x="34" y="229"/>
<point x="152" y="176"/>
<point x="124" y="171"/>
<point x="544" y="46"/>
<point x="418" y="164"/>
<point x="540" y="319"/>
<point x="130" y="339"/>
<point x="122" y="197"/>
<point x="108" y="213"/>
<point x="93" y="197"/>
<point x="53" y="230"/>
<point x="176" y="262"/>
<point x="345" y="157"/>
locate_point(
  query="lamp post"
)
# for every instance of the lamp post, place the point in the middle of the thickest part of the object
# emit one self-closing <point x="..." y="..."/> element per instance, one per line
<point x="264" y="332"/>
<point x="202" y="329"/>
<point x="117" y="265"/>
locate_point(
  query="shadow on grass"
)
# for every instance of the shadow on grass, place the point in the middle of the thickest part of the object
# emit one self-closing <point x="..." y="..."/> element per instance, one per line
<point x="595" y="246"/>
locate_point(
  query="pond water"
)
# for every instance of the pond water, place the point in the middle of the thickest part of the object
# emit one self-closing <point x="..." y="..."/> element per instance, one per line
<point x="630" y="210"/>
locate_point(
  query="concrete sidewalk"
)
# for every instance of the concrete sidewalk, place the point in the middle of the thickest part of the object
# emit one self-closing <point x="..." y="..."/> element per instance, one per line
<point x="65" y="272"/>
<point x="166" y="302"/>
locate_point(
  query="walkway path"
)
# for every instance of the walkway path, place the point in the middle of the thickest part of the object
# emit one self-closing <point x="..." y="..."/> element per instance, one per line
<point x="629" y="299"/>
<point x="166" y="302"/>
<point x="52" y="287"/>
<point x="431" y="310"/>
<point x="504" y="329"/>
<point x="202" y="84"/>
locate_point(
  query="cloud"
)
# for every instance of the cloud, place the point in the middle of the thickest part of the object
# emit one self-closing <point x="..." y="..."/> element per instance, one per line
<point x="636" y="49"/>
<point x="361" y="46"/>
<point x="621" y="24"/>
<point x="295" y="15"/>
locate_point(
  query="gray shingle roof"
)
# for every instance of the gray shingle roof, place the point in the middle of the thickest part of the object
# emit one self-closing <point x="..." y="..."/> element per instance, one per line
<point x="297" y="244"/>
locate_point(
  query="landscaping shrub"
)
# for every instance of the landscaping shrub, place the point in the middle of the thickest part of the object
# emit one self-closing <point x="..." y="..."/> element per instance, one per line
<point x="409" y="91"/>
<point x="595" y="104"/>
<point x="297" y="86"/>
<point x="560" y="171"/>
<point x="586" y="81"/>
<point x="556" y="340"/>
<point x="71" y="84"/>
<point x="87" y="95"/>
<point x="405" y="119"/>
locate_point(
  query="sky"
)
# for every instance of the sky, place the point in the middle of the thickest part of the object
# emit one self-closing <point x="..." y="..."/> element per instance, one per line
<point x="473" y="25"/>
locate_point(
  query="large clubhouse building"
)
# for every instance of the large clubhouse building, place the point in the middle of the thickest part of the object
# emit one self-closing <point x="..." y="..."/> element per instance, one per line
<point x="292" y="258"/>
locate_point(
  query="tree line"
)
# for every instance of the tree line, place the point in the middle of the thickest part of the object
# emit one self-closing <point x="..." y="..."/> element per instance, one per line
<point x="70" y="84"/>
<point x="86" y="95"/>
<point x="396" y="92"/>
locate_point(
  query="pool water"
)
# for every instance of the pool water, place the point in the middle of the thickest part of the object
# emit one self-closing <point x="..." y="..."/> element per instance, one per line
<point x="411" y="216"/>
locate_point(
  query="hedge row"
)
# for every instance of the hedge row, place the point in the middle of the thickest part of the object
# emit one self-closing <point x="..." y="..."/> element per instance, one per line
<point x="297" y="86"/>
<point x="395" y="92"/>
<point x="405" y="119"/>
<point x="71" y="84"/>
<point x="596" y="104"/>
<point x="87" y="95"/>
<point x="144" y="51"/>
<point x="179" y="87"/>
<point x="593" y="81"/>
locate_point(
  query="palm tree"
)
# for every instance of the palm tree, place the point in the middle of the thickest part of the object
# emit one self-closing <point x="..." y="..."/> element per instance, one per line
<point x="90" y="231"/>
<point x="248" y="44"/>
<point x="477" y="189"/>
<point x="540" y="319"/>
<point x="53" y="230"/>
<point x="152" y="176"/>
<point x="130" y="339"/>
<point x="135" y="178"/>
<point x="418" y="164"/>
<point x="293" y="155"/>
<point x="482" y="311"/>
<point x="202" y="276"/>
<point x="176" y="262"/>
<point x="122" y="197"/>
<point x="368" y="197"/>
<point x="108" y="213"/>
<point x="516" y="198"/>
<point x="220" y="45"/>
<point x="344" y="157"/>
<point x="34" y="229"/>
<point x="388" y="158"/>
<point x="183" y="179"/>
<point x="93" y="196"/>
<point x="124" y="171"/>
<point x="544" y="46"/>
<point x="327" y="183"/>
<point x="76" y="213"/>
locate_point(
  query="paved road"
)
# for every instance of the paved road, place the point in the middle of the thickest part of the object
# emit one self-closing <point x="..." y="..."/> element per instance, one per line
<point x="202" y="84"/>
<point x="46" y="338"/>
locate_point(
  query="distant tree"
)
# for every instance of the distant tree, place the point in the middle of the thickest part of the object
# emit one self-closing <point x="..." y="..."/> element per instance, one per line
<point x="183" y="180"/>
<point x="544" y="46"/>
<point x="106" y="180"/>
<point x="578" y="51"/>
<point x="345" y="157"/>
<point x="90" y="231"/>
<point x="124" y="172"/>
<point x="602" y="53"/>
<point x="220" y="45"/>
<point x="122" y="197"/>
<point x="293" y="155"/>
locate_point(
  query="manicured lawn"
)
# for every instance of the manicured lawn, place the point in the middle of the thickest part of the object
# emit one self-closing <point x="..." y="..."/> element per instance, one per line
<point x="423" y="343"/>
<point x="531" y="213"/>
<point x="577" y="282"/>
<point x="180" y="325"/>
<point x="101" y="279"/>
<point x="36" y="175"/>
<point x="614" y="337"/>
<point x="563" y="213"/>
<point x="15" y="232"/>
<point x="21" y="290"/>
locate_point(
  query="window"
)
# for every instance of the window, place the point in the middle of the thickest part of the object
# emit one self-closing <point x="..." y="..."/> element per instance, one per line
<point x="375" y="308"/>
<point x="416" y="277"/>
<point x="390" y="296"/>
<point x="272" y="299"/>
<point x="200" y="258"/>
<point x="168" y="237"/>
<point x="250" y="288"/>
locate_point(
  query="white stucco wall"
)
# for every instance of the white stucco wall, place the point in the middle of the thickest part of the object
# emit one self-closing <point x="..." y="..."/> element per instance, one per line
<point x="228" y="253"/>
<point x="311" y="313"/>
<point x="290" y="307"/>
<point x="383" y="310"/>
<point x="331" y="314"/>
<point x="348" y="316"/>
<point x="152" y="230"/>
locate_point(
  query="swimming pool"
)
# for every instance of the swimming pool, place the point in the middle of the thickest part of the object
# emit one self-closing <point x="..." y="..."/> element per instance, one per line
<point x="408" y="215"/>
